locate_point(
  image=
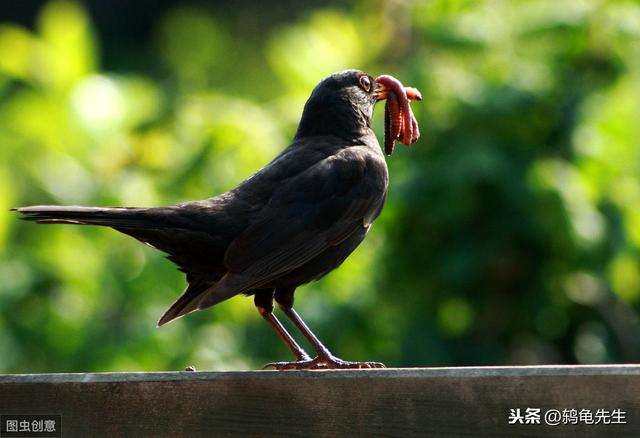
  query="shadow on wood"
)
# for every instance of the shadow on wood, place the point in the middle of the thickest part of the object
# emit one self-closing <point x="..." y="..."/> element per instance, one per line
<point x="393" y="402"/>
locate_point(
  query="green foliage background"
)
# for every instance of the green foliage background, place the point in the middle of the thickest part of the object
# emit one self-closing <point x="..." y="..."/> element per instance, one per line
<point x="512" y="229"/>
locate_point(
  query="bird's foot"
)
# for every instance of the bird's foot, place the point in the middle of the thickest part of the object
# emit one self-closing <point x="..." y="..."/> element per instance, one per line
<point x="330" y="362"/>
<point x="322" y="363"/>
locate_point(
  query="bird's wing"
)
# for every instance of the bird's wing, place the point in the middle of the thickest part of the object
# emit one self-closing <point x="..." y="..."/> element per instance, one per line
<point x="187" y="302"/>
<point x="195" y="252"/>
<point x="307" y="214"/>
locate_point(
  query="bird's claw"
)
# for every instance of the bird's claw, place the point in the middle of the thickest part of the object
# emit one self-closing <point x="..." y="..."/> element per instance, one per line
<point x="322" y="363"/>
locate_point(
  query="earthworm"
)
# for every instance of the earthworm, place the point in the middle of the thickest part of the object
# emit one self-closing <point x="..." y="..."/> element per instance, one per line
<point x="396" y="115"/>
<point x="400" y="123"/>
<point x="394" y="86"/>
<point x="393" y="122"/>
<point x="413" y="93"/>
<point x="414" y="126"/>
<point x="388" y="140"/>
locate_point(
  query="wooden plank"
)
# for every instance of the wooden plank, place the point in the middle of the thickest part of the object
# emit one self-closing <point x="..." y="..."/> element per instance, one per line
<point x="445" y="402"/>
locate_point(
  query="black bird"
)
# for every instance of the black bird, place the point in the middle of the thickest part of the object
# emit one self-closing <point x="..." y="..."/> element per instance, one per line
<point x="292" y="222"/>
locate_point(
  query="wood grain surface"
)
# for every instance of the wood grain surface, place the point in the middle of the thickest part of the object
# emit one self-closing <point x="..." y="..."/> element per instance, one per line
<point x="448" y="402"/>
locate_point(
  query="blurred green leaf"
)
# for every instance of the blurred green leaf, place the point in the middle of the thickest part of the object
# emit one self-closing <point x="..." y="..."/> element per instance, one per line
<point x="511" y="232"/>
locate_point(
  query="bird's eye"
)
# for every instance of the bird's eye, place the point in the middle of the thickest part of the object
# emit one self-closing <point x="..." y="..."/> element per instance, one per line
<point x="365" y="83"/>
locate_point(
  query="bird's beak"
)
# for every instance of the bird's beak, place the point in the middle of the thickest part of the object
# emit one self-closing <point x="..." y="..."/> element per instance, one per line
<point x="382" y="92"/>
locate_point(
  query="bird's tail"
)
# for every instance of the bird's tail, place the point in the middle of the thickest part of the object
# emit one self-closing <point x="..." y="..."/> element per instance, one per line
<point x="117" y="217"/>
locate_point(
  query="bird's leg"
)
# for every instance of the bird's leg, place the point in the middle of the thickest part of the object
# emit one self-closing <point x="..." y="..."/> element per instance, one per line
<point x="324" y="360"/>
<point x="264" y="303"/>
<point x="295" y="348"/>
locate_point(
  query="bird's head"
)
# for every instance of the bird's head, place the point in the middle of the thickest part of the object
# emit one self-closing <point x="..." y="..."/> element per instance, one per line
<point x="341" y="105"/>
